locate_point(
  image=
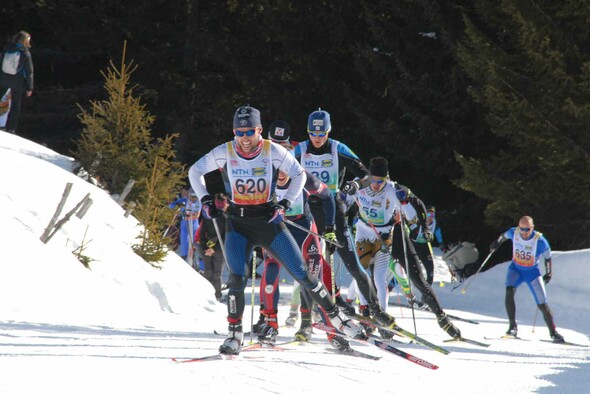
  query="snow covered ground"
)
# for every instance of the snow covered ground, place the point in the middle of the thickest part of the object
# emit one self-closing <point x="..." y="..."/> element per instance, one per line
<point x="114" y="328"/>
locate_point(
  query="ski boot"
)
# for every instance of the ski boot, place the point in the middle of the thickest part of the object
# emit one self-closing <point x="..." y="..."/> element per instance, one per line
<point x="364" y="310"/>
<point x="292" y="318"/>
<point x="556" y="337"/>
<point x="417" y="304"/>
<point x="304" y="332"/>
<point x="260" y="325"/>
<point x="346" y="325"/>
<point x="233" y="342"/>
<point x="339" y="343"/>
<point x="347" y="308"/>
<point x="385" y="335"/>
<point x="381" y="316"/>
<point x="447" y="326"/>
<point x="271" y="328"/>
<point x="512" y="330"/>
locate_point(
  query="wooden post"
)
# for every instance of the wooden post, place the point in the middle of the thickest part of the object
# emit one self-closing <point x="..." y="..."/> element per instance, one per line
<point x="125" y="192"/>
<point x="67" y="217"/>
<point x="84" y="208"/>
<point x="60" y="206"/>
<point x="130" y="208"/>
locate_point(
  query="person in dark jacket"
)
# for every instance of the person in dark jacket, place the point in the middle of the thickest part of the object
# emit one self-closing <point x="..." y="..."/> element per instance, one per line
<point x="210" y="247"/>
<point x="16" y="74"/>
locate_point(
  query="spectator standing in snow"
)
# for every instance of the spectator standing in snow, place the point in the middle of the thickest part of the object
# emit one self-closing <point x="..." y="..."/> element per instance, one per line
<point x="17" y="75"/>
<point x="210" y="246"/>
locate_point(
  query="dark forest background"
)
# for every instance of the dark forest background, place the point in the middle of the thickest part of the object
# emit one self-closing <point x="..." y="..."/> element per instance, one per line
<point x="481" y="107"/>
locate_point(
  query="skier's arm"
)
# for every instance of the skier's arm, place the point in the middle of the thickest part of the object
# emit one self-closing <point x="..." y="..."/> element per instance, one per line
<point x="318" y="188"/>
<point x="420" y="211"/>
<point x="287" y="163"/>
<point x="348" y="160"/>
<point x="496" y="244"/>
<point x="214" y="160"/>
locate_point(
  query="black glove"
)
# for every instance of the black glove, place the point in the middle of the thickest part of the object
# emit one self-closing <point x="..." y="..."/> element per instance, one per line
<point x="278" y="211"/>
<point x="351" y="187"/>
<point x="329" y="234"/>
<point x="208" y="208"/>
<point x="547" y="277"/>
<point x="494" y="246"/>
<point x="385" y="241"/>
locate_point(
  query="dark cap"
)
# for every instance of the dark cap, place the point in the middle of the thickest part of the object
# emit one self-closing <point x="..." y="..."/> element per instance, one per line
<point x="280" y="131"/>
<point x="247" y="116"/>
<point x="379" y="167"/>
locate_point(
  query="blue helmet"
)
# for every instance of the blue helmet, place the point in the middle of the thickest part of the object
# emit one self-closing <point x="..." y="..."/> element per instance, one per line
<point x="319" y="121"/>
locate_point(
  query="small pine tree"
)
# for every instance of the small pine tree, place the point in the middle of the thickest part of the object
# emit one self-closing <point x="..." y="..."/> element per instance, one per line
<point x="116" y="145"/>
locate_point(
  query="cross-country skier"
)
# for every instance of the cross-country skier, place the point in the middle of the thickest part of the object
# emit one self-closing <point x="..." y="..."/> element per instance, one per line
<point x="378" y="207"/>
<point x="420" y="232"/>
<point x="328" y="159"/>
<point x="299" y="213"/>
<point x="528" y="246"/>
<point x="405" y="253"/>
<point x="250" y="165"/>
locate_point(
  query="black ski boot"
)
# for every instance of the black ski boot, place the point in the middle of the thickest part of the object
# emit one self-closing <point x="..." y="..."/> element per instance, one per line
<point x="344" y="306"/>
<point x="556" y="337"/>
<point x="381" y="316"/>
<point x="445" y="324"/>
<point x="364" y="309"/>
<point x="339" y="343"/>
<point x="260" y="325"/>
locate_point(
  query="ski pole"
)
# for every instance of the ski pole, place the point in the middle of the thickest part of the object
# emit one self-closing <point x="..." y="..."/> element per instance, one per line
<point x="172" y="222"/>
<point x="221" y="244"/>
<point x="332" y="276"/>
<point x="403" y="234"/>
<point x="253" y="296"/>
<point x="337" y="244"/>
<point x="464" y="290"/>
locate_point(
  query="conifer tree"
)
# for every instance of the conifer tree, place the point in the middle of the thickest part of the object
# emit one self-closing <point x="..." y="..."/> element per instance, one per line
<point x="116" y="145"/>
<point x="530" y="66"/>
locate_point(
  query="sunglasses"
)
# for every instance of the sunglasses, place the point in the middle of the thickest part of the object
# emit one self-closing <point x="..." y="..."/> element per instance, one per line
<point x="312" y="134"/>
<point x="248" y="133"/>
<point x="378" y="181"/>
<point x="525" y="229"/>
<point x="430" y="214"/>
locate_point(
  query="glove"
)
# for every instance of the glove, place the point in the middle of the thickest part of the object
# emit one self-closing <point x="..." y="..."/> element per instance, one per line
<point x="428" y="236"/>
<point x="351" y="187"/>
<point x="547" y="277"/>
<point x="494" y="246"/>
<point x="385" y="242"/>
<point x="330" y="235"/>
<point x="208" y="208"/>
<point x="278" y="211"/>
